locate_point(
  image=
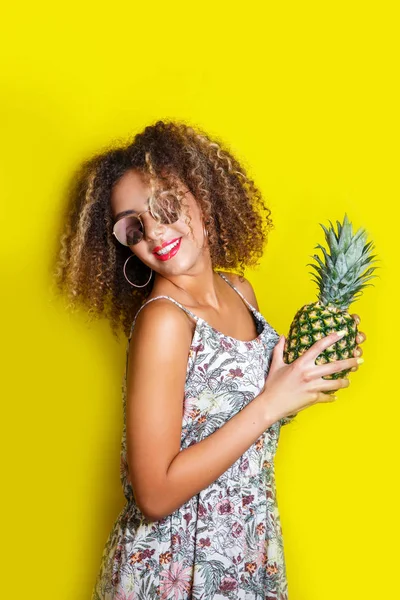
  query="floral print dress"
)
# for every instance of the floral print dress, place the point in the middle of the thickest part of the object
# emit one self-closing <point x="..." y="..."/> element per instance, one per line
<point x="226" y="541"/>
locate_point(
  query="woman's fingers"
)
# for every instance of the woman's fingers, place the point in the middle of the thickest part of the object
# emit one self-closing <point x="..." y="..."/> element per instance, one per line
<point x="332" y="367"/>
<point x="357" y="354"/>
<point x="318" y="347"/>
<point x="327" y="385"/>
<point x="360" y="337"/>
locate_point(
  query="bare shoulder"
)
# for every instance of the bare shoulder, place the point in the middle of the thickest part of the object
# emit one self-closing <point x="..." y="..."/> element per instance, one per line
<point x="162" y="320"/>
<point x="244" y="286"/>
<point x="160" y="342"/>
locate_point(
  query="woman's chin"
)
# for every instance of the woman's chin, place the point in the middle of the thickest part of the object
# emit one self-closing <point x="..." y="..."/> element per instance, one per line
<point x="178" y="265"/>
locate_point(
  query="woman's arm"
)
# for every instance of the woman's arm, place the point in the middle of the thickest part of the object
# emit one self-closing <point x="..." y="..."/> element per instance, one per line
<point x="164" y="477"/>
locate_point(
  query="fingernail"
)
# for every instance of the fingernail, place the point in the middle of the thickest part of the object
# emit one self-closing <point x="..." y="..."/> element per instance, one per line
<point x="342" y="332"/>
<point x="360" y="360"/>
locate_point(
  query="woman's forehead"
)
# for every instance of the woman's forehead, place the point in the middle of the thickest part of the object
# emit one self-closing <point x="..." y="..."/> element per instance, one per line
<point x="130" y="191"/>
<point x="133" y="190"/>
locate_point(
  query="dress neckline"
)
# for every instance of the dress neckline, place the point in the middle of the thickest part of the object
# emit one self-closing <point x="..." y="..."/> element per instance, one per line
<point x="233" y="339"/>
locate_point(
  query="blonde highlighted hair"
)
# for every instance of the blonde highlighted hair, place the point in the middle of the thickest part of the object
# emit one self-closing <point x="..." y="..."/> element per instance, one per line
<point x="89" y="263"/>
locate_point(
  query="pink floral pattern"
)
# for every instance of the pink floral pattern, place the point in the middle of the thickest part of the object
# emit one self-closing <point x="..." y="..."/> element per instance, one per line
<point x="225" y="542"/>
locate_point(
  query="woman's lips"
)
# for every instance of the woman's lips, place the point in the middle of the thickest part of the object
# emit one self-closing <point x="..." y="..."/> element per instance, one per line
<point x="169" y="254"/>
<point x="157" y="248"/>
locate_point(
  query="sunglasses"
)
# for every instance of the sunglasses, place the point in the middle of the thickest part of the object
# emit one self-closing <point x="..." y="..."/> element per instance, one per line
<point x="129" y="230"/>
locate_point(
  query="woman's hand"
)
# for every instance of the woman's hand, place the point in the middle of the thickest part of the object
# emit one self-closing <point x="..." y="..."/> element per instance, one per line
<point x="291" y="388"/>
<point x="360" y="338"/>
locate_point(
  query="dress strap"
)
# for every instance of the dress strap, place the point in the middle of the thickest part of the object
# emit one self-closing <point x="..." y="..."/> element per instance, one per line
<point x="250" y="306"/>
<point x="186" y="310"/>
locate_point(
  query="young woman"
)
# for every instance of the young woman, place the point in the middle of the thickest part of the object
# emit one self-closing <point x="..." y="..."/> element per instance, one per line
<point x="157" y="238"/>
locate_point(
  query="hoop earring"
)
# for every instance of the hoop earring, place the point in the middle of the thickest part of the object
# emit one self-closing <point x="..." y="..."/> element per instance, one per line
<point x="134" y="284"/>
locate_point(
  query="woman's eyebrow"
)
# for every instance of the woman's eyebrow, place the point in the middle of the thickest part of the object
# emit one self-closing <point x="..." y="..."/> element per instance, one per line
<point x="125" y="213"/>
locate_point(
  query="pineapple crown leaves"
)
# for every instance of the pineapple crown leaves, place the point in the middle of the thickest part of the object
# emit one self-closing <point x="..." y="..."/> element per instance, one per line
<point x="347" y="268"/>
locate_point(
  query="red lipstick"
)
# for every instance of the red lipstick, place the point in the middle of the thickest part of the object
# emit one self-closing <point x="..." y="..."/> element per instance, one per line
<point x="157" y="248"/>
<point x="169" y="254"/>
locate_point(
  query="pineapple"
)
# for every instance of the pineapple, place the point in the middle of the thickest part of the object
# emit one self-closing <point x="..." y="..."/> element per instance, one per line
<point x="340" y="281"/>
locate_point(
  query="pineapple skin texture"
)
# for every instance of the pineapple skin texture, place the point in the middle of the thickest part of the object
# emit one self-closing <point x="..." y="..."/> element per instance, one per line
<point x="311" y="323"/>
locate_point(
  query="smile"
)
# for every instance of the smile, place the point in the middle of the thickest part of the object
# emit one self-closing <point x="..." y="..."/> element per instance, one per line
<point x="168" y="251"/>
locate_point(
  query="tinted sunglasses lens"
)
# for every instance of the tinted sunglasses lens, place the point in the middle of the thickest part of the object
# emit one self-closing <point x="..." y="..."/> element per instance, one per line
<point x="168" y="208"/>
<point x="128" y="231"/>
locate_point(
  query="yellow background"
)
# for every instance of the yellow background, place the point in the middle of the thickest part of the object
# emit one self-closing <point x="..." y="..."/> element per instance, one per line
<point x="305" y="94"/>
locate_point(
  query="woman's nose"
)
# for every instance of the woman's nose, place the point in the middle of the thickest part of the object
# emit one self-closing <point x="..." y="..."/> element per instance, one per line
<point x="152" y="229"/>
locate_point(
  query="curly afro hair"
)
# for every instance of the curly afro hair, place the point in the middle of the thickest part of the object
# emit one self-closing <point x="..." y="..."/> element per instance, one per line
<point x="89" y="262"/>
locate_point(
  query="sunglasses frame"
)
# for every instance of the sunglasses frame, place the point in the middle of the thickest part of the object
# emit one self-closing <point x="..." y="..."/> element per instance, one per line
<point x="141" y="222"/>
